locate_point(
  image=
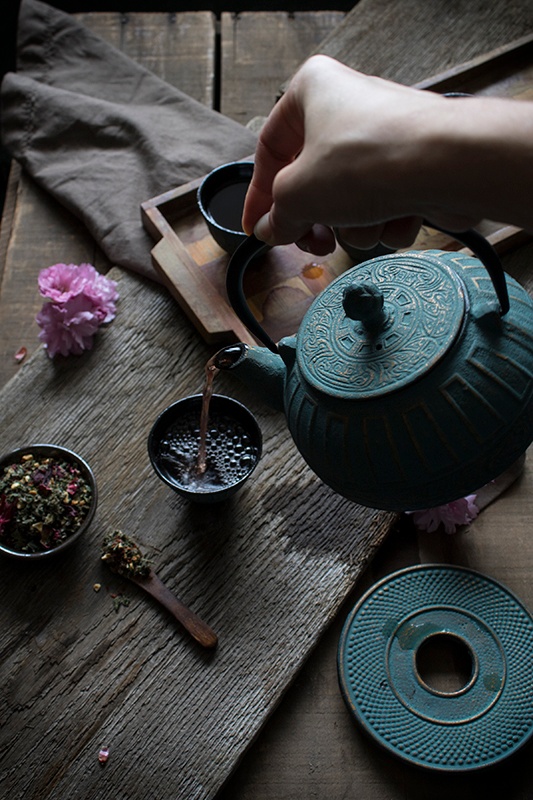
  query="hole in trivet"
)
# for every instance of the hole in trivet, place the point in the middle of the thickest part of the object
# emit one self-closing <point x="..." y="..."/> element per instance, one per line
<point x="445" y="663"/>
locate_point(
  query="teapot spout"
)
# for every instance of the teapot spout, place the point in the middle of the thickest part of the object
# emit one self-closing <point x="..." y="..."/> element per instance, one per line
<point x="258" y="368"/>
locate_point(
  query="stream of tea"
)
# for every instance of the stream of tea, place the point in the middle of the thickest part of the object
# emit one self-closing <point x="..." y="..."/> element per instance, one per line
<point x="211" y="453"/>
<point x="210" y="371"/>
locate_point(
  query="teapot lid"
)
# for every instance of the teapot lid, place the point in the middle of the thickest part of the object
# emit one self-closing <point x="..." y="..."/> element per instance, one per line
<point x="381" y="325"/>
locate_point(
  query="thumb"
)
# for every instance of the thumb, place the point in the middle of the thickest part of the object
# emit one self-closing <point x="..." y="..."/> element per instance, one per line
<point x="316" y="239"/>
<point x="263" y="229"/>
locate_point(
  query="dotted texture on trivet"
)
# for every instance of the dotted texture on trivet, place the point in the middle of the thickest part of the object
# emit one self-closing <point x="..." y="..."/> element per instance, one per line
<point x="490" y="717"/>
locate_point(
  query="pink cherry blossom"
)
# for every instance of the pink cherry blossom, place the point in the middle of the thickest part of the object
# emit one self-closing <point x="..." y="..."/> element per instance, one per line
<point x="61" y="282"/>
<point x="81" y="300"/>
<point x="56" y="282"/>
<point x="450" y="516"/>
<point x="102" y="291"/>
<point x="68" y="327"/>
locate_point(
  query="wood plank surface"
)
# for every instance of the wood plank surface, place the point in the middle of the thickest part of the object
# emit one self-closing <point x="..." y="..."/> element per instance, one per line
<point x="56" y="236"/>
<point x="178" y="47"/>
<point x="412" y="40"/>
<point x="310" y="748"/>
<point x="267" y="572"/>
<point x="259" y="47"/>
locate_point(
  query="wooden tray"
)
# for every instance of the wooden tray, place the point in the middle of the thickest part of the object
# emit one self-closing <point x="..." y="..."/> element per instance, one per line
<point x="281" y="286"/>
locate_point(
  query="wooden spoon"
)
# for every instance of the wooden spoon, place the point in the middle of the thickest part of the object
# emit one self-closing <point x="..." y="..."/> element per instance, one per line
<point x="198" y="629"/>
<point x="124" y="556"/>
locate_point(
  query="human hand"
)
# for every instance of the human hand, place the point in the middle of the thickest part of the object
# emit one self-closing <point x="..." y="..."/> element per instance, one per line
<point x="348" y="151"/>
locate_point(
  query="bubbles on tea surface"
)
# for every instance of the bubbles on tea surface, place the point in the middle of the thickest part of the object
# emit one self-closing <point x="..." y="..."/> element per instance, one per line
<point x="230" y="453"/>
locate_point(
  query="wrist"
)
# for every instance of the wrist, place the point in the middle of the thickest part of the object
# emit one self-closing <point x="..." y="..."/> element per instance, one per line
<point x="476" y="160"/>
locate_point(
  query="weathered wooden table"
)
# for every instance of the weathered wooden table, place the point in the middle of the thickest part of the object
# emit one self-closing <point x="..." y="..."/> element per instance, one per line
<point x="77" y="675"/>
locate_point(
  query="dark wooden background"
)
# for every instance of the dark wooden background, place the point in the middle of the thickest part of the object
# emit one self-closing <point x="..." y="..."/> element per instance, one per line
<point x="310" y="747"/>
<point x="9" y="14"/>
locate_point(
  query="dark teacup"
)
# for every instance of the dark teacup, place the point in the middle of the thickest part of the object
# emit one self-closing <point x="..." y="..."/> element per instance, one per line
<point x="233" y="448"/>
<point x="221" y="201"/>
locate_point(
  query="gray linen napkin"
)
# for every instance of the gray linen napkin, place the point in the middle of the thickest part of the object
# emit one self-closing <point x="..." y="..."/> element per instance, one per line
<point x="102" y="134"/>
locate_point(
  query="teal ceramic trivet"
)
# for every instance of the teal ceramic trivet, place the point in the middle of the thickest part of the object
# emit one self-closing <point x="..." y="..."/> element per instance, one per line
<point x="476" y="726"/>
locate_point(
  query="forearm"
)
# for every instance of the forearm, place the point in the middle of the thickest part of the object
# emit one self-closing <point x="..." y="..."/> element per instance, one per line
<point x="476" y="161"/>
<point x="346" y="150"/>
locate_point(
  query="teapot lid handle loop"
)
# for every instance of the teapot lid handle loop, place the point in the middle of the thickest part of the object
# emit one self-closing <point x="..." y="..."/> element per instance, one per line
<point x="252" y="248"/>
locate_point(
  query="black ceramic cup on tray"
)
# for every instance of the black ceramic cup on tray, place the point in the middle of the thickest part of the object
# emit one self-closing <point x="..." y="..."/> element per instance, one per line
<point x="233" y="448"/>
<point x="220" y="199"/>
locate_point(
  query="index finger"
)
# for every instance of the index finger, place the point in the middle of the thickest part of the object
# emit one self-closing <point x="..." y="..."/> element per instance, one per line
<point x="280" y="141"/>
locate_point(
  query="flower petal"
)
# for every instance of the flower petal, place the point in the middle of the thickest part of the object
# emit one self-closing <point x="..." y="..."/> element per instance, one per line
<point x="68" y="328"/>
<point x="82" y="300"/>
<point x="450" y="515"/>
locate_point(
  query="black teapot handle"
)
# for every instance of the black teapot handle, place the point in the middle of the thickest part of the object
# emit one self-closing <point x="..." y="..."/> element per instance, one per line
<point x="252" y="247"/>
<point x="488" y="256"/>
<point x="246" y="252"/>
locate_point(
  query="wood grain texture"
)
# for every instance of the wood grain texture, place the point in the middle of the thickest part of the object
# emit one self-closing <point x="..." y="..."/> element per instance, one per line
<point x="268" y="571"/>
<point x="259" y="47"/>
<point x="107" y="669"/>
<point x="36" y="232"/>
<point x="410" y="41"/>
<point x="281" y="285"/>
<point x="179" y="47"/>
<point x="77" y="676"/>
<point x="198" y="629"/>
<point x="311" y="748"/>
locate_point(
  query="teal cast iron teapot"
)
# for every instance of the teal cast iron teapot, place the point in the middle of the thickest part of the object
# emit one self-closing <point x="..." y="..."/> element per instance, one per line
<point x="409" y="382"/>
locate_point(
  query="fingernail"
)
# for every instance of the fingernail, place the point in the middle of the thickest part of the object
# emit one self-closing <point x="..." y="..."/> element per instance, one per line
<point x="262" y="229"/>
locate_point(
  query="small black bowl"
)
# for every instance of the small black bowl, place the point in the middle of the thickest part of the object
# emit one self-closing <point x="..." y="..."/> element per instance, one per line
<point x="221" y="200"/>
<point x="40" y="451"/>
<point x="234" y="446"/>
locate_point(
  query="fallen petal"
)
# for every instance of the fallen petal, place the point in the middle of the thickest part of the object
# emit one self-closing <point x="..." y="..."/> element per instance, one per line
<point x="20" y="355"/>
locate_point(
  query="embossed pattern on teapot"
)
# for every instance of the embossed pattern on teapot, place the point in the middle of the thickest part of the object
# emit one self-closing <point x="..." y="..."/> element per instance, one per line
<point x="406" y="386"/>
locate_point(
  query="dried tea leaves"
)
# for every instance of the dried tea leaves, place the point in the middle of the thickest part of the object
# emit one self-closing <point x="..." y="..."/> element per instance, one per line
<point x="124" y="556"/>
<point x="43" y="501"/>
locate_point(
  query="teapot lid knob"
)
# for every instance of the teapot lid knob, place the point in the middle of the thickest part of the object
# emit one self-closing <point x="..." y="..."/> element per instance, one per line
<point x="363" y="301"/>
<point x="402" y="315"/>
